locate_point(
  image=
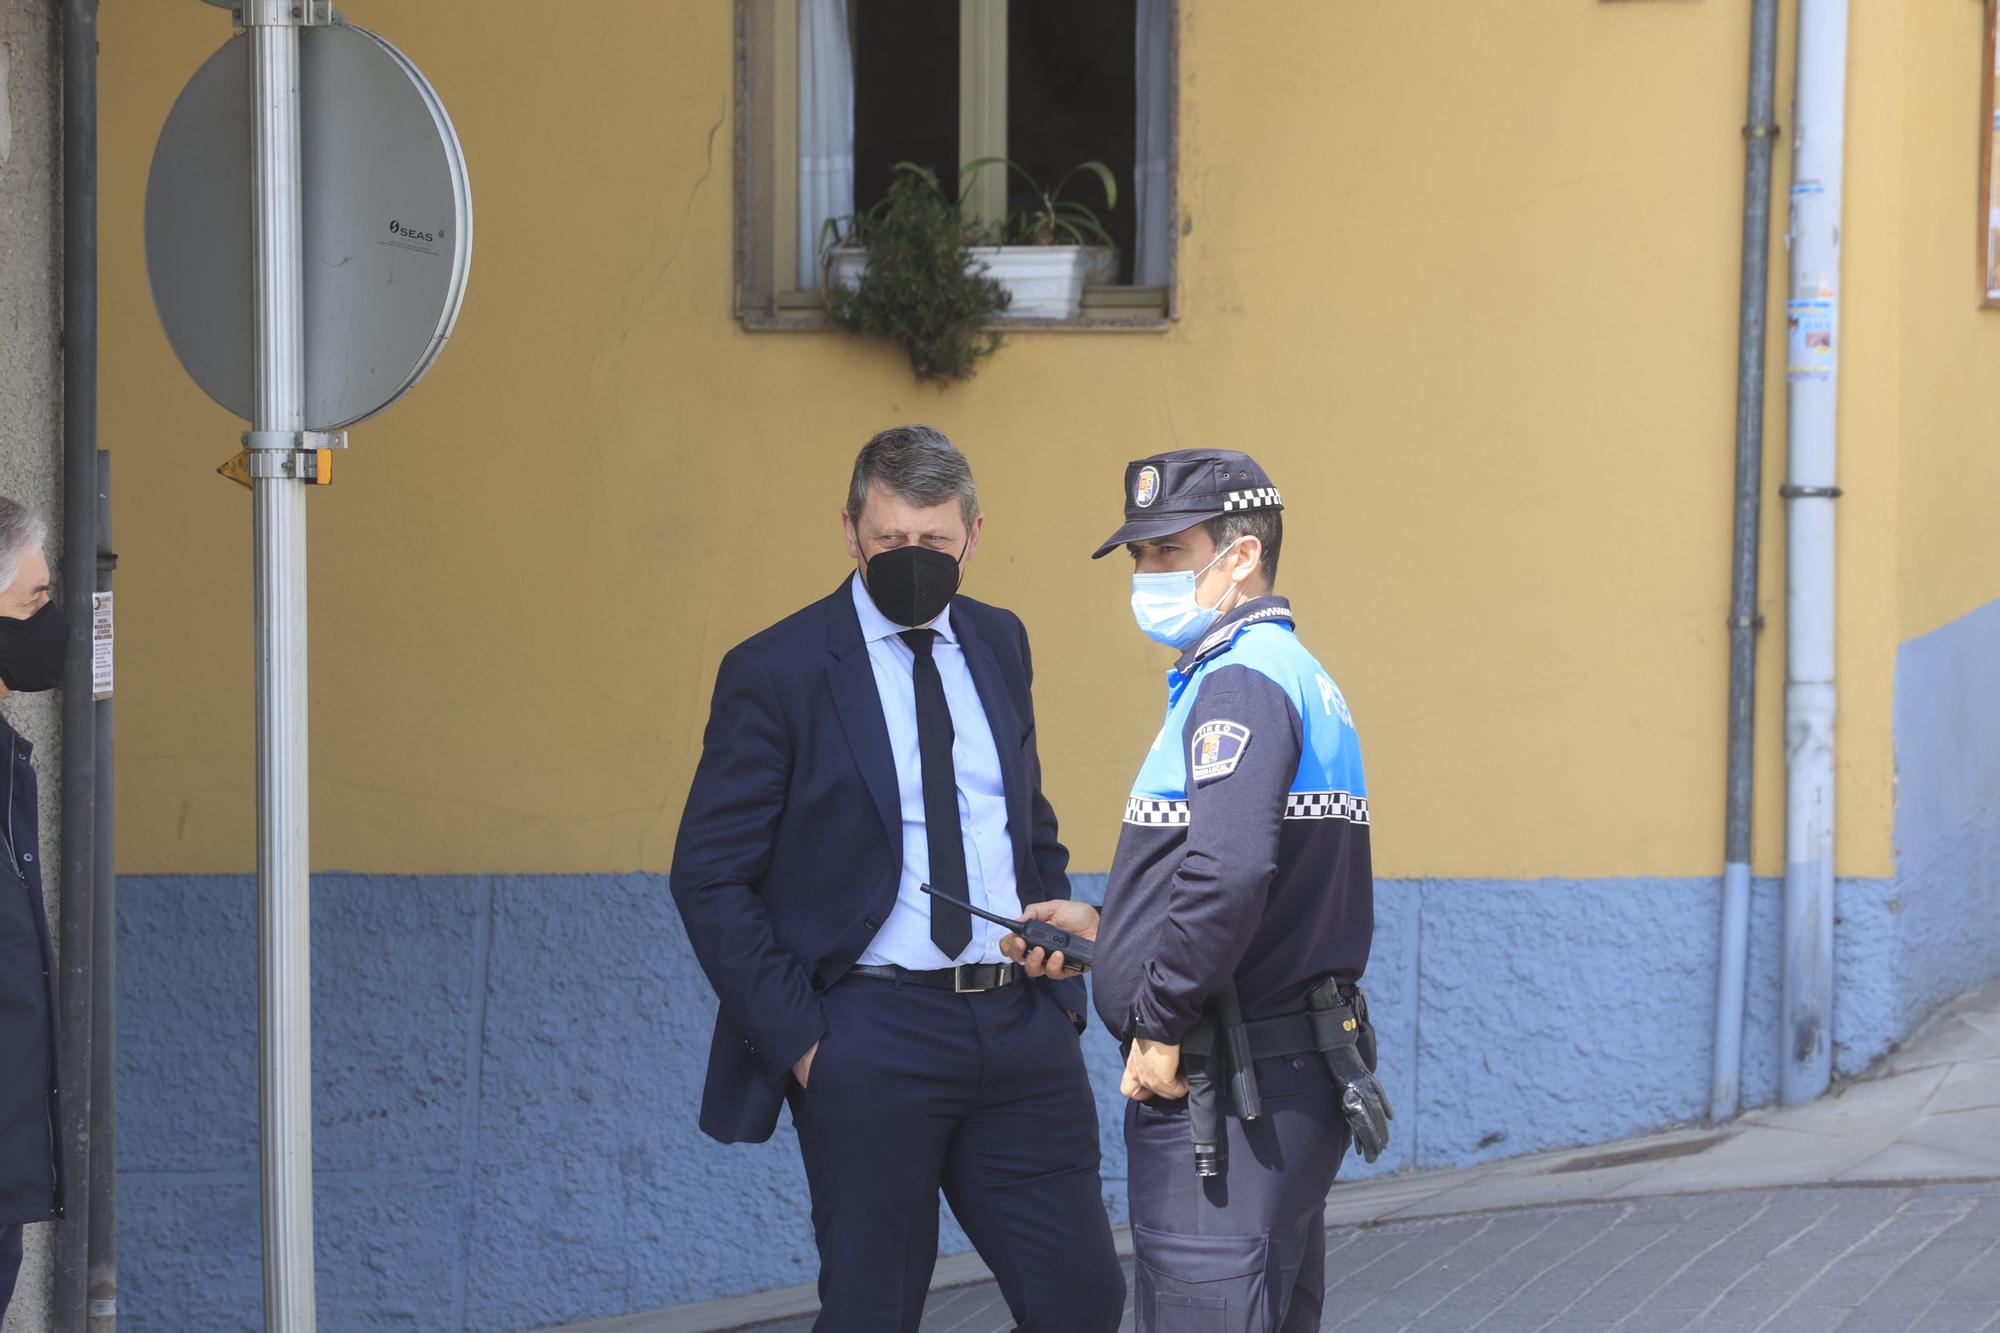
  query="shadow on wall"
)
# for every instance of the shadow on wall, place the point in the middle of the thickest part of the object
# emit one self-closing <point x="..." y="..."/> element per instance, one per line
<point x="507" y="1068"/>
<point x="1948" y="811"/>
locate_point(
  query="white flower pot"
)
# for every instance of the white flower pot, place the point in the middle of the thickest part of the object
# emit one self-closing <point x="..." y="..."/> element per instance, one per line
<point x="1042" y="281"/>
<point x="845" y="266"/>
<point x="1045" y="281"/>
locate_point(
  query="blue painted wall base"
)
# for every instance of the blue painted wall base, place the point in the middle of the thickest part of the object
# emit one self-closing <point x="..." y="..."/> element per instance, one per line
<point x="506" y="1068"/>
<point x="506" y="1071"/>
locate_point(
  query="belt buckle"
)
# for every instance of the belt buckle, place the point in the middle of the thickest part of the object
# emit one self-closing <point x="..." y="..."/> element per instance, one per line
<point x="958" y="986"/>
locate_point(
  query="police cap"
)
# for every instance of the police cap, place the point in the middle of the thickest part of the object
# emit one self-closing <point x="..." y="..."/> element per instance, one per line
<point x="1172" y="492"/>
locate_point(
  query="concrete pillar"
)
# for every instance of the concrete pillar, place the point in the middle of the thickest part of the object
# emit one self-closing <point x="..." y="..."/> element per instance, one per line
<point x="31" y="413"/>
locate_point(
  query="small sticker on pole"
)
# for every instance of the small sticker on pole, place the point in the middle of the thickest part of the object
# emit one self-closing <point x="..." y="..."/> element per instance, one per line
<point x="1810" y="328"/>
<point x="100" y="645"/>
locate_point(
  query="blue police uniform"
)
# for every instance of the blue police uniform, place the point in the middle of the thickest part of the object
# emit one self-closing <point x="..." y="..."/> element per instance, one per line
<point x="1244" y="859"/>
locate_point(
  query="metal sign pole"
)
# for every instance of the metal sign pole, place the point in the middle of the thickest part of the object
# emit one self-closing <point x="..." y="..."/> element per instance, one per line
<point x="283" y="880"/>
<point x="378" y="190"/>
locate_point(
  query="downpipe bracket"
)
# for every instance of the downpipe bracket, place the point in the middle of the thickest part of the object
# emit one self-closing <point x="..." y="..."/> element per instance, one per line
<point x="1811" y="492"/>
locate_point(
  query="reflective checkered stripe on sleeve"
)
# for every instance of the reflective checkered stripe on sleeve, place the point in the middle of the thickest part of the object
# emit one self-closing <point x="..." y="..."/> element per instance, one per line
<point x="1138" y="810"/>
<point x="1327" y="805"/>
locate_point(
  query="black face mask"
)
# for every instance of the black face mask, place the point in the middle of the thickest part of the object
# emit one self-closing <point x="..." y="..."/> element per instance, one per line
<point x="32" y="650"/>
<point x="912" y="584"/>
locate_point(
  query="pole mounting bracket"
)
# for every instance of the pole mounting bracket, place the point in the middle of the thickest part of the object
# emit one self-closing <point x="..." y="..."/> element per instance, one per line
<point x="305" y="455"/>
<point x="1810" y="492"/>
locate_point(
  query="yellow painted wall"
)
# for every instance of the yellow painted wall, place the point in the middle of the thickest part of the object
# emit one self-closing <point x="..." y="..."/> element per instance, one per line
<point x="1950" y="551"/>
<point x="1462" y="275"/>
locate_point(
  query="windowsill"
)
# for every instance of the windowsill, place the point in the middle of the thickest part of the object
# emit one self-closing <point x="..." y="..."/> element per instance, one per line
<point x="1105" y="309"/>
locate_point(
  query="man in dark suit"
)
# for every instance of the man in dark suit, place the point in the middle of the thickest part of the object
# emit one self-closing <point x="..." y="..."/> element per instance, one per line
<point x="33" y="635"/>
<point x="878" y="741"/>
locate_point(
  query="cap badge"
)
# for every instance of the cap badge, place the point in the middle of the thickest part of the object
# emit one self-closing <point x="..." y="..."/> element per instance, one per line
<point x="1147" y="488"/>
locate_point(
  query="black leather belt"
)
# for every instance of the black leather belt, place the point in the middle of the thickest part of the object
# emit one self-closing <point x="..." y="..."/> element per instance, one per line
<point x="965" y="979"/>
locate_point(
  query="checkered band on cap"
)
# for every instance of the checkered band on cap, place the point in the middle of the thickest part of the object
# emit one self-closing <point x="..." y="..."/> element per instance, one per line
<point x="1139" y="810"/>
<point x="1264" y="497"/>
<point x="1327" y="805"/>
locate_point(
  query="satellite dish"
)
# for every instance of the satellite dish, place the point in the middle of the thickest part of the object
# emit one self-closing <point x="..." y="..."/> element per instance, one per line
<point x="387" y="213"/>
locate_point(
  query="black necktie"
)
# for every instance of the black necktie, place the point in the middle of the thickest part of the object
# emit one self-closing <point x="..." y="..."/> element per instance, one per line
<point x="951" y="927"/>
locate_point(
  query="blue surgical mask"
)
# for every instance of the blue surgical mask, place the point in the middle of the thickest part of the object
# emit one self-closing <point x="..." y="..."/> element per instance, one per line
<point x="1166" y="608"/>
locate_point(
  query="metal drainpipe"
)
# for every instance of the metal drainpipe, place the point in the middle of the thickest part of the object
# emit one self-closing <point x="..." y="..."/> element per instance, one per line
<point x="1725" y="1085"/>
<point x="1806" y="1018"/>
<point x="79" y="579"/>
<point x="103" y="1267"/>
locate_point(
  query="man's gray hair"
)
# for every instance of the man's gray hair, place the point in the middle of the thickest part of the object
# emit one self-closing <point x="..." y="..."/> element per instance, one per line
<point x="917" y="463"/>
<point x="21" y="530"/>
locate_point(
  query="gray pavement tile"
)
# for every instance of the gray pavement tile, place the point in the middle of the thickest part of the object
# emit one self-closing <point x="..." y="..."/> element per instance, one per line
<point x="1956" y="1317"/>
<point x="1848" y="1281"/>
<point x="1969" y="1086"/>
<point x="1861" y="1259"/>
<point x="1565" y="1237"/>
<point x="1763" y="1157"/>
<point x="1652" y="1321"/>
<point x="1978" y="1284"/>
<point x="1503" y="1322"/>
<point x="1349" y="1205"/>
<point x="1895" y="1098"/>
<point x="1806" y="1319"/>
<point x="1972" y="1133"/>
<point x="1911" y="1161"/>
<point x="1555" y="1288"/>
<point x="1575" y="1323"/>
<point x="1520" y="1190"/>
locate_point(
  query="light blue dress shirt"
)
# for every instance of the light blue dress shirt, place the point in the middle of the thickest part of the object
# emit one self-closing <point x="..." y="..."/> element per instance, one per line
<point x="905" y="937"/>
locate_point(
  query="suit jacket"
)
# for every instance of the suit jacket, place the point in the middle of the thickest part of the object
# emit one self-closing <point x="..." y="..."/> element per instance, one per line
<point x="791" y="846"/>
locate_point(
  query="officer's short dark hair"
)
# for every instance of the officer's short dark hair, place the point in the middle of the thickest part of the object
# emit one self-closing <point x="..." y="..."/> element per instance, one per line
<point x="1266" y="525"/>
<point x="918" y="463"/>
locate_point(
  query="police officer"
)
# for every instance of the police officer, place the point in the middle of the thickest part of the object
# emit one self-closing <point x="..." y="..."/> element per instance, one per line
<point x="1238" y="917"/>
<point x="33" y="636"/>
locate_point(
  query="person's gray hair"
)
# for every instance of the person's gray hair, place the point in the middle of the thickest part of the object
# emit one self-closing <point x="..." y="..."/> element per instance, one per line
<point x="917" y="463"/>
<point x="21" y="530"/>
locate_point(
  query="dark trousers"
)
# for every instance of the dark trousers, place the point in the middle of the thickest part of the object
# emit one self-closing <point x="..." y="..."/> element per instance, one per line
<point x="1243" y="1252"/>
<point x="10" y="1266"/>
<point x="983" y="1096"/>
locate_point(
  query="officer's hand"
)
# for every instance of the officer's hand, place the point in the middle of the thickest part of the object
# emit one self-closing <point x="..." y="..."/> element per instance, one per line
<point x="802" y="1071"/>
<point x="1152" y="1069"/>
<point x="1079" y="919"/>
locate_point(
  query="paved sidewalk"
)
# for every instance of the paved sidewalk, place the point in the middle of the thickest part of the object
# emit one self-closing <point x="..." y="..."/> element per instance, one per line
<point x="1873" y="1210"/>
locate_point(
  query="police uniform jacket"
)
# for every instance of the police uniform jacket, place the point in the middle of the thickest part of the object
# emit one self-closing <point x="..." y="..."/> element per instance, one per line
<point x="30" y="1171"/>
<point x="1244" y="851"/>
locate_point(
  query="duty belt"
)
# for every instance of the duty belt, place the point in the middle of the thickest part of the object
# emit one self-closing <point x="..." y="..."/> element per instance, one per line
<point x="1218" y="1058"/>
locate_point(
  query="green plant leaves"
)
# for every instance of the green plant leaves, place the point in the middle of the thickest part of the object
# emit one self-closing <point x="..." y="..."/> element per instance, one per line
<point x="919" y="287"/>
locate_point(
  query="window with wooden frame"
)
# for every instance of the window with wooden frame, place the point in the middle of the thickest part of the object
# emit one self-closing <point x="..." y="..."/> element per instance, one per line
<point x="832" y="94"/>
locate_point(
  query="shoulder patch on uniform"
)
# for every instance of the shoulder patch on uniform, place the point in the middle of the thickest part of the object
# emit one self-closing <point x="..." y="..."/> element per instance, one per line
<point x="1216" y="749"/>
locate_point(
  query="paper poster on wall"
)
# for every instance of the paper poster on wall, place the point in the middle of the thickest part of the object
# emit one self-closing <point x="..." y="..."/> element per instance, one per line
<point x="1809" y="328"/>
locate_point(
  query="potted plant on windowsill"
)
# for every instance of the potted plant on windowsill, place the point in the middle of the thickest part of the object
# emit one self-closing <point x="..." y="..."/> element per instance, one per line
<point x="915" y="280"/>
<point x="1044" y="256"/>
<point x="1050" y="249"/>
